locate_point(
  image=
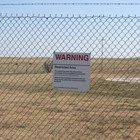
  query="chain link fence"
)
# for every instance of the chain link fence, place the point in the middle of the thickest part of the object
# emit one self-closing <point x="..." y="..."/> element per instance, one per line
<point x="31" y="109"/>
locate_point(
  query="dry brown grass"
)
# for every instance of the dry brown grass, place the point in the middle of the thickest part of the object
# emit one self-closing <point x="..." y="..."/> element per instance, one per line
<point x="23" y="65"/>
<point x="104" y="66"/>
<point x="30" y="109"/>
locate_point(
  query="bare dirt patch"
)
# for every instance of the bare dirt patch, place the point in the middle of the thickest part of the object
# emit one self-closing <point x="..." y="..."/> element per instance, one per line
<point x="124" y="79"/>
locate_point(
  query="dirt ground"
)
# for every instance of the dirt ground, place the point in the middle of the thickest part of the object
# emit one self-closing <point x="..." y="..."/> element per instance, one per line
<point x="30" y="109"/>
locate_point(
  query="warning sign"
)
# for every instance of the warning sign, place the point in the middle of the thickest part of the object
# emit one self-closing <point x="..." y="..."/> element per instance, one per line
<point x="71" y="71"/>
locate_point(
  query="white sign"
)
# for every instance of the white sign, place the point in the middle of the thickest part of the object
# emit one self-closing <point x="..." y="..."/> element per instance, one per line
<point x="71" y="71"/>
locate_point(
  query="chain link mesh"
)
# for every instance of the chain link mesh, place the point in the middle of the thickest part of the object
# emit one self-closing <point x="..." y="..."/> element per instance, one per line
<point x="31" y="109"/>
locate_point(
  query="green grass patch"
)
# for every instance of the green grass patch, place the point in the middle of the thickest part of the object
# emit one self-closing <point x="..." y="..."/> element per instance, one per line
<point x="98" y="86"/>
<point x="135" y="108"/>
<point x="119" y="89"/>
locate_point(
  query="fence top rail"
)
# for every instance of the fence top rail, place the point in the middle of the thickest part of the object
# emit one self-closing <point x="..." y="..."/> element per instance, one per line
<point x="63" y="16"/>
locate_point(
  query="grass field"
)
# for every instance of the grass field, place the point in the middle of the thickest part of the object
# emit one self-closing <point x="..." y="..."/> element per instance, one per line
<point x="30" y="109"/>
